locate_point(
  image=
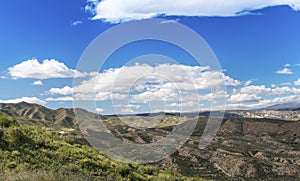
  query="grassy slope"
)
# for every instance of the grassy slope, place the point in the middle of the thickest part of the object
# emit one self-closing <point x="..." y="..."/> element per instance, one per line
<point x="36" y="153"/>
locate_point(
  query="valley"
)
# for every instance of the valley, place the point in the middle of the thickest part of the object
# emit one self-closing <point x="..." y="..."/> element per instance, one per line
<point x="245" y="148"/>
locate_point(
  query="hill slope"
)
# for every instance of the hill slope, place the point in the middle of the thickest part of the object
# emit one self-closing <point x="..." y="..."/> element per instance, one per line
<point x="39" y="153"/>
<point x="62" y="116"/>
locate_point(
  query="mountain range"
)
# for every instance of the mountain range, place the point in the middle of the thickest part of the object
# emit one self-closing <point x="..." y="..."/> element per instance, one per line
<point x="66" y="117"/>
<point x="292" y="106"/>
<point x="245" y="148"/>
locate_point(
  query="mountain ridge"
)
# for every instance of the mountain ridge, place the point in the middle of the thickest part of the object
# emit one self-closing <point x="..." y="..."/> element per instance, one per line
<point x="62" y="116"/>
<point x="290" y="106"/>
<point x="66" y="116"/>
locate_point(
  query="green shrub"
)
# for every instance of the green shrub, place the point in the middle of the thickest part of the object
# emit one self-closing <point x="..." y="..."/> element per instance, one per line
<point x="123" y="170"/>
<point x="6" y="121"/>
<point x="1" y="133"/>
<point x="17" y="135"/>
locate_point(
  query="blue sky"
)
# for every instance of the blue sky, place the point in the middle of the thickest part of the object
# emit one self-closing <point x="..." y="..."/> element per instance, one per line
<point x="258" y="50"/>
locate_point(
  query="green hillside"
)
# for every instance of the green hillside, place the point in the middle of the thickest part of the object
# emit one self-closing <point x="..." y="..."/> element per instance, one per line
<point x="39" y="153"/>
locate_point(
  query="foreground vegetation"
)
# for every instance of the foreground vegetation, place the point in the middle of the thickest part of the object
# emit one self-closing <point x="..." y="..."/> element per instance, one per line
<point x="39" y="153"/>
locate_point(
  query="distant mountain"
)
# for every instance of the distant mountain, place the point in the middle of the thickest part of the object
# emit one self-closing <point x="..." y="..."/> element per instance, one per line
<point x="62" y="116"/>
<point x="66" y="117"/>
<point x="185" y="114"/>
<point x="292" y="106"/>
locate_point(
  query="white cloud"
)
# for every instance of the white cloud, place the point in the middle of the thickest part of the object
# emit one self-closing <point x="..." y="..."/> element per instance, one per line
<point x="156" y="95"/>
<point x="168" y="75"/>
<point x="170" y="21"/>
<point x="127" y="110"/>
<point x="286" y="83"/>
<point x="115" y="11"/>
<point x="284" y="71"/>
<point x="67" y="98"/>
<point x="37" y="82"/>
<point x="32" y="100"/>
<point x="265" y="102"/>
<point x="168" y="110"/>
<point x="210" y="96"/>
<point x="45" y="70"/>
<point x="182" y="104"/>
<point x="279" y="100"/>
<point x="98" y="109"/>
<point x="131" y="106"/>
<point x="263" y="90"/>
<point x="148" y="83"/>
<point x="297" y="82"/>
<point x="287" y="65"/>
<point x="273" y="86"/>
<point x="101" y="96"/>
<point x="244" y="98"/>
<point x="62" y="91"/>
<point x="260" y="96"/>
<point x="248" y="82"/>
<point x="75" y="23"/>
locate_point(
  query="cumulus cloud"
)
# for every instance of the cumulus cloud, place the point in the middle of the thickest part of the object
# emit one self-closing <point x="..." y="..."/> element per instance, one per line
<point x="149" y="83"/>
<point x="265" y="102"/>
<point x="286" y="83"/>
<point x="185" y="104"/>
<point x="244" y="98"/>
<point x="273" y="86"/>
<point x="67" y="98"/>
<point x="263" y="90"/>
<point x="45" y="70"/>
<point x="131" y="106"/>
<point x="285" y="71"/>
<point x="38" y="82"/>
<point x="62" y="91"/>
<point x="166" y="86"/>
<point x="32" y="100"/>
<point x="156" y="95"/>
<point x="287" y="65"/>
<point x="98" y="109"/>
<point x="260" y="96"/>
<point x="248" y="82"/>
<point x="297" y="82"/>
<point x="115" y="11"/>
<point x="165" y="75"/>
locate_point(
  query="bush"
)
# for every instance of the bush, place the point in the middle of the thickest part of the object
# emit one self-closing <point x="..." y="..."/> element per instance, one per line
<point x="6" y="121"/>
<point x="1" y="133"/>
<point x="17" y="135"/>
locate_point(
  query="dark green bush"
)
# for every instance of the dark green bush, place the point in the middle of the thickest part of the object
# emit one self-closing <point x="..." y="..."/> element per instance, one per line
<point x="1" y="133"/>
<point x="6" y="121"/>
